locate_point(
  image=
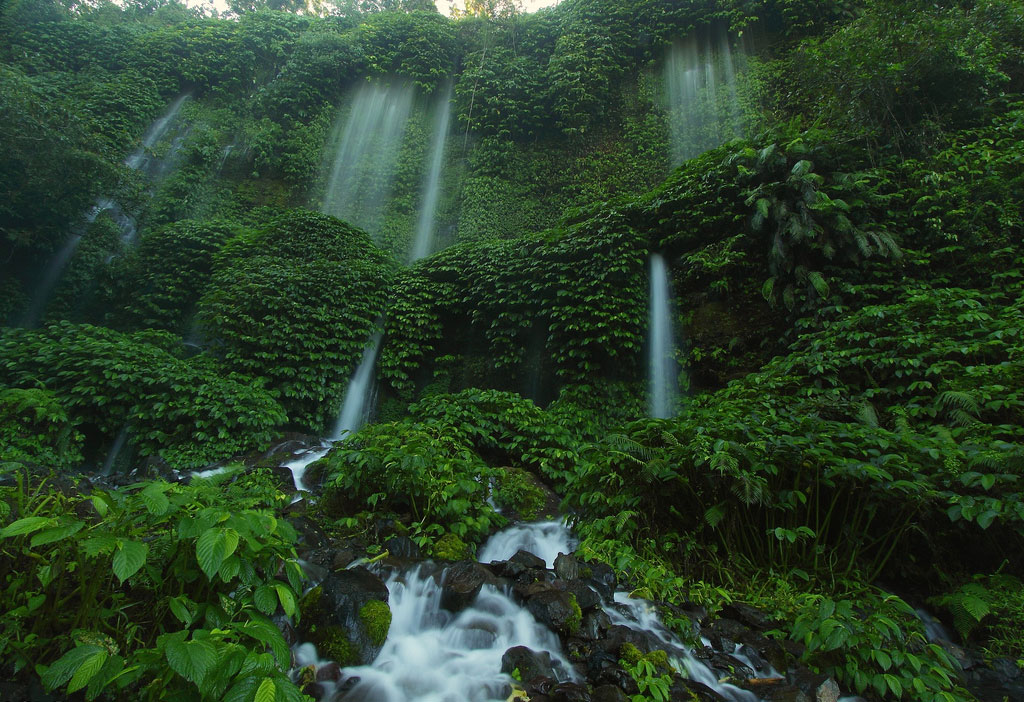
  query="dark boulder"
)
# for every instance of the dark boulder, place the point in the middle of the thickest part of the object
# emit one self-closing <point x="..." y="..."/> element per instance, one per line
<point x="567" y="567"/>
<point x="608" y="693"/>
<point x="557" y="610"/>
<point x="461" y="584"/>
<point x="530" y="664"/>
<point x="346" y="616"/>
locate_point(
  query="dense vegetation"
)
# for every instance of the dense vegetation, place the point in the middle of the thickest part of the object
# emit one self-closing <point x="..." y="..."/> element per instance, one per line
<point x="849" y="307"/>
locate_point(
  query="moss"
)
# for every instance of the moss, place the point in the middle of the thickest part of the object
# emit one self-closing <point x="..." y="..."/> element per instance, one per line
<point x="309" y="605"/>
<point x="630" y="653"/>
<point x="572" y="624"/>
<point x="375" y="616"/>
<point x="519" y="492"/>
<point x="334" y="643"/>
<point x="451" y="548"/>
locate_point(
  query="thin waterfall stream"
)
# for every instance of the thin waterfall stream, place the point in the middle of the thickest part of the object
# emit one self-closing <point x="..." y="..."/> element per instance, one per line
<point x="423" y="241"/>
<point x="663" y="371"/>
<point x="141" y="160"/>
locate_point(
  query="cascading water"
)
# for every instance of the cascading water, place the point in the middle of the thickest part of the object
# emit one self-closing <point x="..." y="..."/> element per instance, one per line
<point x="663" y="371"/>
<point x="431" y="654"/>
<point x="140" y="160"/>
<point x="423" y="242"/>
<point x="543" y="539"/>
<point x="700" y="82"/>
<point x="355" y="407"/>
<point x="435" y="655"/>
<point x="368" y="143"/>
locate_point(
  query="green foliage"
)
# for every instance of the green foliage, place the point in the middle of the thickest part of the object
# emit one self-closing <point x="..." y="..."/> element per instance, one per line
<point x="417" y="45"/>
<point x="988" y="608"/>
<point x="105" y="608"/>
<point x="158" y="283"/>
<point x="415" y="470"/>
<point x="34" y="428"/>
<point x="874" y="643"/>
<point x="188" y="412"/>
<point x="294" y="302"/>
<point x="517" y="491"/>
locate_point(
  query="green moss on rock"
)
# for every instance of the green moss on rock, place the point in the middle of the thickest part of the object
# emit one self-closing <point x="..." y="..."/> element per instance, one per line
<point x="451" y="548"/>
<point x="334" y="643"/>
<point x="572" y="624"/>
<point x="375" y="616"/>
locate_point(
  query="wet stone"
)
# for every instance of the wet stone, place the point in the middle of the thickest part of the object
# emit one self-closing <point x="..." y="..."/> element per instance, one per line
<point x="530" y="664"/>
<point x="567" y="567"/>
<point x="593" y="624"/>
<point x="461" y="584"/>
<point x="683" y="689"/>
<point x="528" y="560"/>
<point x="608" y="693"/>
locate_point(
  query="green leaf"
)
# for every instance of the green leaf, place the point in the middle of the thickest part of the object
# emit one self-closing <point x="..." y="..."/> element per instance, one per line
<point x="883" y="659"/>
<point x="128" y="558"/>
<point x="181" y="610"/>
<point x="210" y="551"/>
<point x="65" y="666"/>
<point x="155" y="499"/>
<point x="25" y="526"/>
<point x="48" y="536"/>
<point x="265" y="599"/>
<point x="267" y="691"/>
<point x="191" y="660"/>
<point x="90" y="666"/>
<point x="287" y="599"/>
<point x="895" y="685"/>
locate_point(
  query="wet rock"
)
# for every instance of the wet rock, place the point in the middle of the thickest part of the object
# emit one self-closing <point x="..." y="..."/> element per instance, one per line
<point x="754" y="656"/>
<point x="683" y="689"/>
<point x="817" y="687"/>
<point x="748" y="616"/>
<point x="287" y="629"/>
<point x="528" y="560"/>
<point x="403" y="547"/>
<point x="724" y="634"/>
<point x="618" y="635"/>
<point x="557" y="610"/>
<point x="567" y="567"/>
<point x="569" y="692"/>
<point x="608" y="693"/>
<point x="329" y="673"/>
<point x="530" y="664"/>
<point x="310" y="533"/>
<point x="788" y="693"/>
<point x="461" y="584"/>
<point x="729" y="665"/>
<point x="346" y="616"/>
<point x="586" y="596"/>
<point x="594" y="624"/>
<point x="600" y="576"/>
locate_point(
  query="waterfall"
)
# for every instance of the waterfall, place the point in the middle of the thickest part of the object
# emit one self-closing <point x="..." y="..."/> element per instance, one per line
<point x="366" y="156"/>
<point x="700" y="83"/>
<point x="423" y="243"/>
<point x="115" y="451"/>
<point x="356" y="405"/>
<point x="140" y="160"/>
<point x="543" y="539"/>
<point x="662" y="368"/>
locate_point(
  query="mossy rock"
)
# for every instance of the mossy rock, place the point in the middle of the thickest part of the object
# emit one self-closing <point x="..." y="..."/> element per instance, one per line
<point x="375" y="618"/>
<point x="572" y="624"/>
<point x="334" y="643"/>
<point x="451" y="548"/>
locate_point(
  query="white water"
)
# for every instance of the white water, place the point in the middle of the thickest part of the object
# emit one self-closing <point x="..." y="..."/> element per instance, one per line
<point x="641" y="615"/>
<point x="368" y="142"/>
<point x="423" y="242"/>
<point x="432" y="655"/>
<point x="355" y="408"/>
<point x="139" y="160"/>
<point x="662" y="369"/>
<point x="299" y="465"/>
<point x="543" y="539"/>
<point x="700" y="82"/>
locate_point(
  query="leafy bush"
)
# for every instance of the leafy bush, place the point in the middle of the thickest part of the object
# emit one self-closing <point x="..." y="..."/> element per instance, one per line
<point x="34" y="428"/>
<point x="157" y="591"/>
<point x="295" y="303"/>
<point x="188" y="412"/>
